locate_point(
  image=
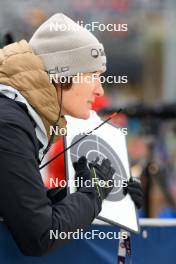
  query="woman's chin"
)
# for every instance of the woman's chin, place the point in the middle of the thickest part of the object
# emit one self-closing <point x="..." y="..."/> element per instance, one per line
<point x="82" y="115"/>
<point x="86" y="115"/>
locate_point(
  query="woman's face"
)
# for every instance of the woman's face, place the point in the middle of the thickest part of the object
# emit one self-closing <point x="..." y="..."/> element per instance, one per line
<point x="77" y="100"/>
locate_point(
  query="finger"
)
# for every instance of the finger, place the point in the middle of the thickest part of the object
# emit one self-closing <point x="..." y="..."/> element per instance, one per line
<point x="125" y="190"/>
<point x="112" y="171"/>
<point x="136" y="197"/>
<point x="135" y="185"/>
<point x="94" y="162"/>
<point x="135" y="179"/>
<point x="137" y="191"/>
<point x="106" y="163"/>
<point x="137" y="200"/>
<point x="106" y="167"/>
<point x="82" y="165"/>
<point x="97" y="159"/>
<point x="139" y="205"/>
<point x="75" y="165"/>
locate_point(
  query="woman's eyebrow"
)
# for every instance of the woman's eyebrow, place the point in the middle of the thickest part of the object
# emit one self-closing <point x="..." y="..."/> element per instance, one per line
<point x="94" y="72"/>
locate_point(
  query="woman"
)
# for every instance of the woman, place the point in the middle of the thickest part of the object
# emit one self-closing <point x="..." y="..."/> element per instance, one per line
<point x="29" y="105"/>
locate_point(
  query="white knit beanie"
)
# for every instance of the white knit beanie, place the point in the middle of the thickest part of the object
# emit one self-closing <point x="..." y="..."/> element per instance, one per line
<point x="67" y="48"/>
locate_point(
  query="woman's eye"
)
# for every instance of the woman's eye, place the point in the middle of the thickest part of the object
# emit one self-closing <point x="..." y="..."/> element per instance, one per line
<point x="97" y="75"/>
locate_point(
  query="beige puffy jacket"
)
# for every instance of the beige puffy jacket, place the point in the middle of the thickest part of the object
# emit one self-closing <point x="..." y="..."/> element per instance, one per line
<point x="22" y="69"/>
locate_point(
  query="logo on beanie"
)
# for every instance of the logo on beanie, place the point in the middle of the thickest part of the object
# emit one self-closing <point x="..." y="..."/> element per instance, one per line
<point x="58" y="70"/>
<point x="95" y="53"/>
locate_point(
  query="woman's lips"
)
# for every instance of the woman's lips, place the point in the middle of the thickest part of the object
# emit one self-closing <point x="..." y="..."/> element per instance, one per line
<point x="90" y="101"/>
<point x="89" y="104"/>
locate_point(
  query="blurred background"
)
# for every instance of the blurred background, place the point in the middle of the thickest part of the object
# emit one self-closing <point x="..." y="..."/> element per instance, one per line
<point x="146" y="53"/>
